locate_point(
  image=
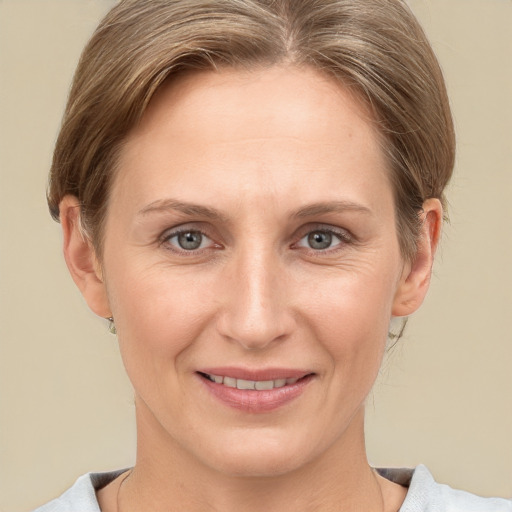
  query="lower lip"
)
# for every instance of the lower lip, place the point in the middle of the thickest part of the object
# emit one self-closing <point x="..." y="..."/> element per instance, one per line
<point x="250" y="400"/>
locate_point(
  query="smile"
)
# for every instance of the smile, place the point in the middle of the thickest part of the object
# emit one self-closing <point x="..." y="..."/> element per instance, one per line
<point x="258" y="385"/>
<point x="256" y="391"/>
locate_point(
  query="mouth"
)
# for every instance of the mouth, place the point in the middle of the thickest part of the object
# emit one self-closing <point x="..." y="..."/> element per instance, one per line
<point x="256" y="392"/>
<point x="257" y="385"/>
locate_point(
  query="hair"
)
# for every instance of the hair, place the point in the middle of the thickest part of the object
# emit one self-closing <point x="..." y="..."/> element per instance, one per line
<point x="374" y="47"/>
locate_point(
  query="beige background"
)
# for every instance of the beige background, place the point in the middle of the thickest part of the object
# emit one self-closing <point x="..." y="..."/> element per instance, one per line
<point x="445" y="394"/>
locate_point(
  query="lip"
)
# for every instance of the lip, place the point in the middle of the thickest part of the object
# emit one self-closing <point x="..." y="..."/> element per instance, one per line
<point x="253" y="401"/>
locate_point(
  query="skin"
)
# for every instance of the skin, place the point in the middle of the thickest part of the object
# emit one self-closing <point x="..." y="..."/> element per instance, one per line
<point x="266" y="158"/>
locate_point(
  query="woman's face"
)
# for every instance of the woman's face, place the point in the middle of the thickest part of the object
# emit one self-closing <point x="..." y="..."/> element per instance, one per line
<point x="250" y="241"/>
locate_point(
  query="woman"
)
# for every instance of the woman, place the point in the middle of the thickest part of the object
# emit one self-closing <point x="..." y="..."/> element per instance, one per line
<point x="251" y="192"/>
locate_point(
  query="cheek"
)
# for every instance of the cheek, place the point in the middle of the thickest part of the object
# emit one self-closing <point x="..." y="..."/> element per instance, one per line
<point x="158" y="312"/>
<point x="350" y="301"/>
<point x="350" y="317"/>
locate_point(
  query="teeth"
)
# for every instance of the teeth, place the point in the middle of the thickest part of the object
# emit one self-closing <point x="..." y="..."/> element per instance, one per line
<point x="259" y="385"/>
<point x="229" y="382"/>
<point x="245" y="384"/>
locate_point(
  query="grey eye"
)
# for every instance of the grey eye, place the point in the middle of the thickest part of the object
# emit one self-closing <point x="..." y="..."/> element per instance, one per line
<point x="189" y="240"/>
<point x="320" y="240"/>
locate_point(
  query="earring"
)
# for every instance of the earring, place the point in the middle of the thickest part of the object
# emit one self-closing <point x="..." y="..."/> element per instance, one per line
<point x="111" y="325"/>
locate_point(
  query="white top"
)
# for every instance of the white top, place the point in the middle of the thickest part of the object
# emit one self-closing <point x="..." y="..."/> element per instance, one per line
<point x="424" y="494"/>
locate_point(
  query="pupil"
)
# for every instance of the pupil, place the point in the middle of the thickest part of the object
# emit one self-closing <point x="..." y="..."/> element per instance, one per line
<point x="319" y="240"/>
<point x="190" y="240"/>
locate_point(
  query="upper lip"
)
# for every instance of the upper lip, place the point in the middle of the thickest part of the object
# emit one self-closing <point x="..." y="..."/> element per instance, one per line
<point x="262" y="374"/>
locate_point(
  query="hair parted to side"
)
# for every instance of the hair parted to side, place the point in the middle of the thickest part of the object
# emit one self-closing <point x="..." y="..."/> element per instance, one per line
<point x="375" y="47"/>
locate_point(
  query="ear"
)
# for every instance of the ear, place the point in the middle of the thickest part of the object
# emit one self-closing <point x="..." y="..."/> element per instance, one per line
<point x="415" y="279"/>
<point x="81" y="258"/>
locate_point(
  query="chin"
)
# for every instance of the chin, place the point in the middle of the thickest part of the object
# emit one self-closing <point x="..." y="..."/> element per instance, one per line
<point x="257" y="464"/>
<point x="248" y="455"/>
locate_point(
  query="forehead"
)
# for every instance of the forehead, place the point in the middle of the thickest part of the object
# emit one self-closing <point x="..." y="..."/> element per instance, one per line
<point x="282" y="97"/>
<point x="261" y="132"/>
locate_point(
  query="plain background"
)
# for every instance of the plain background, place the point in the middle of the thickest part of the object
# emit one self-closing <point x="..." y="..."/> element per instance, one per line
<point x="444" y="397"/>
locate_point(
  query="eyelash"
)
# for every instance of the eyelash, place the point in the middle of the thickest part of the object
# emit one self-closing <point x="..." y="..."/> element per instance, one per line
<point x="342" y="236"/>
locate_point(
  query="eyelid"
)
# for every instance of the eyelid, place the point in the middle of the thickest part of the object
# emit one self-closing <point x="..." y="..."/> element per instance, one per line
<point x="343" y="233"/>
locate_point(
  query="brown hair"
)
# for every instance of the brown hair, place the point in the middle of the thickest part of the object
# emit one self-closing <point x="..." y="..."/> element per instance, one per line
<point x="375" y="47"/>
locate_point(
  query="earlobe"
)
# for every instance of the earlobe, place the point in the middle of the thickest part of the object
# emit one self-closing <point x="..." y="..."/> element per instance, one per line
<point x="415" y="279"/>
<point x="81" y="258"/>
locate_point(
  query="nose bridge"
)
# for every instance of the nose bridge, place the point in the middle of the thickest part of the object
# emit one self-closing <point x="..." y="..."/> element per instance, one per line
<point x="256" y="313"/>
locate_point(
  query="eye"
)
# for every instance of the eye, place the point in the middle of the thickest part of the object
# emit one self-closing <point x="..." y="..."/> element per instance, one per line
<point x="322" y="239"/>
<point x="187" y="240"/>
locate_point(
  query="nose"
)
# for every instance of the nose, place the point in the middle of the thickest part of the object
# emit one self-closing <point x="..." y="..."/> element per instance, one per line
<point x="257" y="310"/>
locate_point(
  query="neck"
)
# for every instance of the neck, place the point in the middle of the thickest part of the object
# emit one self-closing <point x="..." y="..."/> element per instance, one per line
<point x="167" y="478"/>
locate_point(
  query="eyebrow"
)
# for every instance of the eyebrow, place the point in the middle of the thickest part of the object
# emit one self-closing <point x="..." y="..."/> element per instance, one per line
<point x="192" y="209"/>
<point x="164" y="205"/>
<point x="331" y="207"/>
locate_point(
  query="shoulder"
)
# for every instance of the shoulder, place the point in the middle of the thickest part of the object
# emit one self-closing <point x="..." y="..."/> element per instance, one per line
<point x="426" y="495"/>
<point x="81" y="497"/>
